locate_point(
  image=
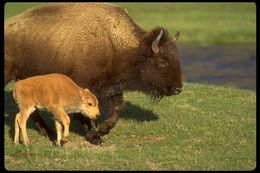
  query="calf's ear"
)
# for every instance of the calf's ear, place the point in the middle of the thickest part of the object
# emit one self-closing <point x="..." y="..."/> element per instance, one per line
<point x="81" y="93"/>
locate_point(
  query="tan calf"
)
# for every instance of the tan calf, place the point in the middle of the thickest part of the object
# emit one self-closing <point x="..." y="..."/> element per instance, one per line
<point x="58" y="94"/>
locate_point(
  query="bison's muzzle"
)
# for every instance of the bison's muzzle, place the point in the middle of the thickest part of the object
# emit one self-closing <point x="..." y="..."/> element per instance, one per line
<point x="174" y="90"/>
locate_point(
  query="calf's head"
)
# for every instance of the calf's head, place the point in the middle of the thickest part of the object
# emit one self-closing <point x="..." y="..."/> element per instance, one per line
<point x="161" y="73"/>
<point x="89" y="104"/>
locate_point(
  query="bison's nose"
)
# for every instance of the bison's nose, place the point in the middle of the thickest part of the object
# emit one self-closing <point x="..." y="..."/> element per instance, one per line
<point x="177" y="89"/>
<point x="174" y="89"/>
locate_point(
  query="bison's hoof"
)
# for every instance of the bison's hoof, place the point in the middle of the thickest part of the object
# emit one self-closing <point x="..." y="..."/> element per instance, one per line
<point x="96" y="141"/>
<point x="103" y="128"/>
<point x="93" y="137"/>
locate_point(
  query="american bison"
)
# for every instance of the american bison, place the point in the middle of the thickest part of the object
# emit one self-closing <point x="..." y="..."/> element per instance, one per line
<point x="58" y="94"/>
<point x="99" y="47"/>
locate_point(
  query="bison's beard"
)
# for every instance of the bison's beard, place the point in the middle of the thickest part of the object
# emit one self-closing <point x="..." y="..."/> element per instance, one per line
<point x="155" y="94"/>
<point x="154" y="91"/>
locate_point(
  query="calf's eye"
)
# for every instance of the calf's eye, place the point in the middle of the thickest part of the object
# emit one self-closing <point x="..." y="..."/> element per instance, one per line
<point x="90" y="104"/>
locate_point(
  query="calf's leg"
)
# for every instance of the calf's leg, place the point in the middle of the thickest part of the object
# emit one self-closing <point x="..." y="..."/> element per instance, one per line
<point x="16" y="128"/>
<point x="64" y="119"/>
<point x="25" y="113"/>
<point x="59" y="132"/>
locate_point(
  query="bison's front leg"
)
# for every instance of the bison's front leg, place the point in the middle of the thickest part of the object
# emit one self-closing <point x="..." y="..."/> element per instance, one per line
<point x="115" y="108"/>
<point x="116" y="104"/>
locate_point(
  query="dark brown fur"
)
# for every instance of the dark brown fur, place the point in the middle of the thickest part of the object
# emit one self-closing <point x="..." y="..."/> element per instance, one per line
<point x="97" y="45"/>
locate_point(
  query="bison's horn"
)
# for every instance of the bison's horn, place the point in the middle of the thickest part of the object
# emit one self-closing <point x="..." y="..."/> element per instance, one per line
<point x="156" y="41"/>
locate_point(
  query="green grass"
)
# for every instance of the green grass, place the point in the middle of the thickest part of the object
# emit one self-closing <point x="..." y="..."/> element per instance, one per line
<point x="204" y="128"/>
<point x="199" y="23"/>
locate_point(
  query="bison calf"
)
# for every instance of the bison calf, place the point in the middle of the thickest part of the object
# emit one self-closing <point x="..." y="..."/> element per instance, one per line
<point x="58" y="94"/>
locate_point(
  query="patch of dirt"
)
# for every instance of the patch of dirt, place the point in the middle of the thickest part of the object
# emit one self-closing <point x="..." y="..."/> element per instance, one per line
<point x="13" y="160"/>
<point x="84" y="145"/>
<point x="155" y="166"/>
<point x="97" y="148"/>
<point x="147" y="139"/>
<point x="187" y="106"/>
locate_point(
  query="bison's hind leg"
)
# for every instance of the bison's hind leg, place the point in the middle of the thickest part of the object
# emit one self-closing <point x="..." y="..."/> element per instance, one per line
<point x="39" y="122"/>
<point x="10" y="73"/>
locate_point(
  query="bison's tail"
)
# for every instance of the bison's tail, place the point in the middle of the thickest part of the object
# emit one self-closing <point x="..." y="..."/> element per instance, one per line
<point x="10" y="72"/>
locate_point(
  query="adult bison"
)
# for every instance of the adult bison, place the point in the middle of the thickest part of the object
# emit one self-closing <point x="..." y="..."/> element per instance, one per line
<point x="97" y="45"/>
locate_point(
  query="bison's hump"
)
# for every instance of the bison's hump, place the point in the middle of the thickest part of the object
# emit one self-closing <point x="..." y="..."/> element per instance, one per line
<point x="88" y="17"/>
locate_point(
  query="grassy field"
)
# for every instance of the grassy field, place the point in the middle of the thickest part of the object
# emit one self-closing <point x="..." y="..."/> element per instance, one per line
<point x="199" y="23"/>
<point x="204" y="128"/>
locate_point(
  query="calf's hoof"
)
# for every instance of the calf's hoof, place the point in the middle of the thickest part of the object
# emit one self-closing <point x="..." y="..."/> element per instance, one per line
<point x="57" y="144"/>
<point x="64" y="140"/>
<point x="26" y="142"/>
<point x="61" y="143"/>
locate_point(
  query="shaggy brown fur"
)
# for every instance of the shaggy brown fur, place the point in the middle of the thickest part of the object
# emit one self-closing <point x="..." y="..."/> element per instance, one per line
<point x="58" y="94"/>
<point x="99" y="46"/>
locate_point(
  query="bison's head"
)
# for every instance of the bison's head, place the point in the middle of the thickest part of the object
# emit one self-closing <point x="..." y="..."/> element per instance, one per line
<point x="161" y="72"/>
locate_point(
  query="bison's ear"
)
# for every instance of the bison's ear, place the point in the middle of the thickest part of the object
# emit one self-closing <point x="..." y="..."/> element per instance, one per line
<point x="176" y="37"/>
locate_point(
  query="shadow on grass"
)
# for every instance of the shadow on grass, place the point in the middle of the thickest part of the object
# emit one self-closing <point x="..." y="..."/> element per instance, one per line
<point x="130" y="111"/>
<point x="11" y="109"/>
<point x="134" y="112"/>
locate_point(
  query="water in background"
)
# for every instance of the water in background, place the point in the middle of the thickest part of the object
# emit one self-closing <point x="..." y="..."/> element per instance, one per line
<point x="221" y="65"/>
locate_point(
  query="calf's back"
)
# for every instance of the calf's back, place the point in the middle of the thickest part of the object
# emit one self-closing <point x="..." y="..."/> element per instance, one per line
<point x="47" y="90"/>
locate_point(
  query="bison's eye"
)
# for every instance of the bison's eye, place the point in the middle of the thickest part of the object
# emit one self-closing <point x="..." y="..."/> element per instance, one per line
<point x="161" y="62"/>
<point x="90" y="104"/>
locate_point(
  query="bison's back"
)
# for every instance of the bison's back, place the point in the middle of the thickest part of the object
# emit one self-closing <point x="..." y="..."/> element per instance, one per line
<point x="58" y="38"/>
